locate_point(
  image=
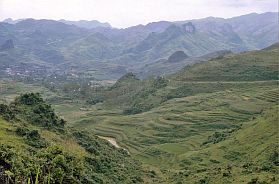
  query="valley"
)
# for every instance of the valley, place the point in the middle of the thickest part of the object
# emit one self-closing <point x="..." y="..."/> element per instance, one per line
<point x="214" y="121"/>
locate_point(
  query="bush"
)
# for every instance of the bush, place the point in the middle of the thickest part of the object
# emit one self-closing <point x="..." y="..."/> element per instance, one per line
<point x="203" y="181"/>
<point x="29" y="99"/>
<point x="274" y="158"/>
<point x="95" y="100"/>
<point x="159" y="82"/>
<point x="216" y="137"/>
<point x="6" y="112"/>
<point x="34" y="109"/>
<point x="138" y="108"/>
<point x="31" y="137"/>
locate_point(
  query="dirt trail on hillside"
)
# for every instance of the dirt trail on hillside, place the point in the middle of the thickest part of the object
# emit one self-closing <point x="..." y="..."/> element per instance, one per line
<point x="113" y="141"/>
<point x="110" y="140"/>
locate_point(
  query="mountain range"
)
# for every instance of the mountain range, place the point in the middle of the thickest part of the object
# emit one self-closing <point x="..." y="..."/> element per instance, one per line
<point x="108" y="53"/>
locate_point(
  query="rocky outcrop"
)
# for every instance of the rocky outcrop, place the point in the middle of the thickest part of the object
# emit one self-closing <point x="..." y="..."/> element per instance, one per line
<point x="177" y="57"/>
<point x="189" y="27"/>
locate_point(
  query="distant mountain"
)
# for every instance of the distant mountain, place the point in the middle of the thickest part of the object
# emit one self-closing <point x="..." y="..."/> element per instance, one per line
<point x="7" y="45"/>
<point x="12" y="21"/>
<point x="176" y="62"/>
<point x="189" y="38"/>
<point x="112" y="52"/>
<point x="257" y="30"/>
<point x="88" y="24"/>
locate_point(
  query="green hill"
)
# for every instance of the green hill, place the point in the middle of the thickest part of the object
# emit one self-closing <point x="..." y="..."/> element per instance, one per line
<point x="212" y="122"/>
<point x="36" y="148"/>
<point x="217" y="74"/>
<point x="248" y="66"/>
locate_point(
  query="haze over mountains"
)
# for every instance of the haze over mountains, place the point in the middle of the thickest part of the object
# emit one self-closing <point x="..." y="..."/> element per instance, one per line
<point x="108" y="53"/>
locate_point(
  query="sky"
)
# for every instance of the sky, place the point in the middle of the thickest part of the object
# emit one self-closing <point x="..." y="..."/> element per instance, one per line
<point x="125" y="13"/>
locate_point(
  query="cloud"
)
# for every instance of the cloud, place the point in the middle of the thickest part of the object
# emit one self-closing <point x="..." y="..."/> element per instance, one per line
<point x="123" y="13"/>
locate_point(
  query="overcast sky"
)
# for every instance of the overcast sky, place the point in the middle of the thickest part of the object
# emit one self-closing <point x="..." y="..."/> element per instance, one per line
<point x="124" y="13"/>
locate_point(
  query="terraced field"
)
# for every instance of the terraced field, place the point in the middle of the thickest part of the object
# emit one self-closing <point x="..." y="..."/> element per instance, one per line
<point x="181" y="125"/>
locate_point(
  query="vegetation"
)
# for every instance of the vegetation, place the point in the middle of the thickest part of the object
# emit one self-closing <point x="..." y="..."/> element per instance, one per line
<point x="190" y="127"/>
<point x="35" y="149"/>
<point x="196" y="131"/>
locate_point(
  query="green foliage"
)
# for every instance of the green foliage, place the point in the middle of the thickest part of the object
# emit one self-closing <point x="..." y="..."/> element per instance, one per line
<point x="219" y="136"/>
<point x="137" y="108"/>
<point x="95" y="100"/>
<point x="29" y="99"/>
<point x="39" y="160"/>
<point x="31" y="137"/>
<point x="6" y="112"/>
<point x="274" y="158"/>
<point x="34" y="109"/>
<point x="182" y="91"/>
<point x="109" y="165"/>
<point x="51" y="164"/>
<point x="159" y="82"/>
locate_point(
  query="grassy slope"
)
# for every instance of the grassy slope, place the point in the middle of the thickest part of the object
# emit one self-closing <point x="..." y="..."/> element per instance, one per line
<point x="247" y="151"/>
<point x="248" y="66"/>
<point x="7" y="134"/>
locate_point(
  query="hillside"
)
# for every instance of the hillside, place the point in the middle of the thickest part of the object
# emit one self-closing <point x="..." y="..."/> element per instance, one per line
<point x="248" y="66"/>
<point x="249" y="155"/>
<point x="202" y="76"/>
<point x="195" y="127"/>
<point x="36" y="147"/>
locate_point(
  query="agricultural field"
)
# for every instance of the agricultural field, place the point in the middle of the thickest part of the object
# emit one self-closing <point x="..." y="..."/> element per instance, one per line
<point x="182" y="125"/>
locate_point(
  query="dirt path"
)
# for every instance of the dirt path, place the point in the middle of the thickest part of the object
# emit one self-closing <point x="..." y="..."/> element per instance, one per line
<point x="110" y="140"/>
<point x="113" y="141"/>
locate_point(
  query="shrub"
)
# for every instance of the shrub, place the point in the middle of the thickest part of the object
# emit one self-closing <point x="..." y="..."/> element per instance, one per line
<point x="31" y="137"/>
<point x="95" y="100"/>
<point x="6" y="112"/>
<point x="34" y="109"/>
<point x="274" y="158"/>
<point x="159" y="82"/>
<point x="29" y="99"/>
